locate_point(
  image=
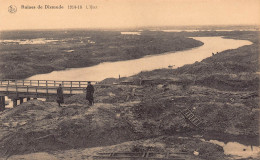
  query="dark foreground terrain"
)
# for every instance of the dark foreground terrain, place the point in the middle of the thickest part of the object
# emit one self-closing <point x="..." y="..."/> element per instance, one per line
<point x="221" y="90"/>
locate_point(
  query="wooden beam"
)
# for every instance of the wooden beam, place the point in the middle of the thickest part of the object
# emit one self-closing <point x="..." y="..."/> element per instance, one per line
<point x="14" y="102"/>
<point x="2" y="103"/>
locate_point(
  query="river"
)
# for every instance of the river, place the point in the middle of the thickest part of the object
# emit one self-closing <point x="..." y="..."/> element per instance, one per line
<point x="147" y="63"/>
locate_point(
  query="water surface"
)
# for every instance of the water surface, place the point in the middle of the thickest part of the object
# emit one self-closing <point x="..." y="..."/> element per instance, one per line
<point x="238" y="150"/>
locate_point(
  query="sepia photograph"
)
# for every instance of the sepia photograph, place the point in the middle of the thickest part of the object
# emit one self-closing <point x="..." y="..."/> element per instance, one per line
<point x="129" y="79"/>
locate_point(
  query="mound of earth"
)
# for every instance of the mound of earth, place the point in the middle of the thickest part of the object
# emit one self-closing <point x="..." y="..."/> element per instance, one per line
<point x="125" y="113"/>
<point x="194" y="149"/>
<point x="43" y="126"/>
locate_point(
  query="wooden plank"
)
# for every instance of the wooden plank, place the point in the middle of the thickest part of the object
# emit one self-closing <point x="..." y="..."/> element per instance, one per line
<point x="191" y="117"/>
<point x="29" y="90"/>
<point x="139" y="155"/>
<point x="135" y="157"/>
<point x="147" y="154"/>
<point x="167" y="155"/>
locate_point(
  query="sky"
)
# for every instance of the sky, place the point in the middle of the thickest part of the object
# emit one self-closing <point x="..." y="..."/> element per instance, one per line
<point x="128" y="13"/>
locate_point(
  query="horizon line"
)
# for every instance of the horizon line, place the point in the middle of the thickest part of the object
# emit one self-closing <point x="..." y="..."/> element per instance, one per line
<point x="133" y="28"/>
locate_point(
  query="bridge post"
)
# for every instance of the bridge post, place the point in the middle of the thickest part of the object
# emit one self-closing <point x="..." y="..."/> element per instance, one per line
<point x="47" y="93"/>
<point x="14" y="102"/>
<point x="2" y="103"/>
<point x="21" y="100"/>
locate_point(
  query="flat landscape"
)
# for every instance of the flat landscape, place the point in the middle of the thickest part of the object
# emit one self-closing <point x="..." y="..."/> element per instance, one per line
<point x="26" y="53"/>
<point x="222" y="91"/>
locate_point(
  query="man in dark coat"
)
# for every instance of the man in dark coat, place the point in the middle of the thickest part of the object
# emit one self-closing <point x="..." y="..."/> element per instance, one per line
<point x="89" y="95"/>
<point x="60" y="95"/>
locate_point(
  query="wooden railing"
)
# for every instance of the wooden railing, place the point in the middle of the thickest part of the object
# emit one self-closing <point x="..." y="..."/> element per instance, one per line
<point x="43" y="86"/>
<point x="39" y="89"/>
<point x="49" y="83"/>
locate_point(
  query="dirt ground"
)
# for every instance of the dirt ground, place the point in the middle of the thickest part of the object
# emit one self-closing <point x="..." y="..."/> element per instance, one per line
<point x="128" y="115"/>
<point x="46" y="130"/>
<point x="160" y="145"/>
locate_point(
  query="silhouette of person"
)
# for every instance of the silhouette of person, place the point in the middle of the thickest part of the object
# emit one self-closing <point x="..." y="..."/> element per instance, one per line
<point x="60" y="95"/>
<point x="90" y="93"/>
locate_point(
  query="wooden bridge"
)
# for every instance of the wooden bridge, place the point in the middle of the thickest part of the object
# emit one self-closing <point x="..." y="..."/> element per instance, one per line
<point x="20" y="89"/>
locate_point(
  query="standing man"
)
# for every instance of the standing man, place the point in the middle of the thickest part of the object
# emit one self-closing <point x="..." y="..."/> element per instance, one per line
<point x="60" y="95"/>
<point x="90" y="92"/>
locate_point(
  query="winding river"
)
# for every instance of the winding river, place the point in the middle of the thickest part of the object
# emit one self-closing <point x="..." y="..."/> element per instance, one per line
<point x="147" y="63"/>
